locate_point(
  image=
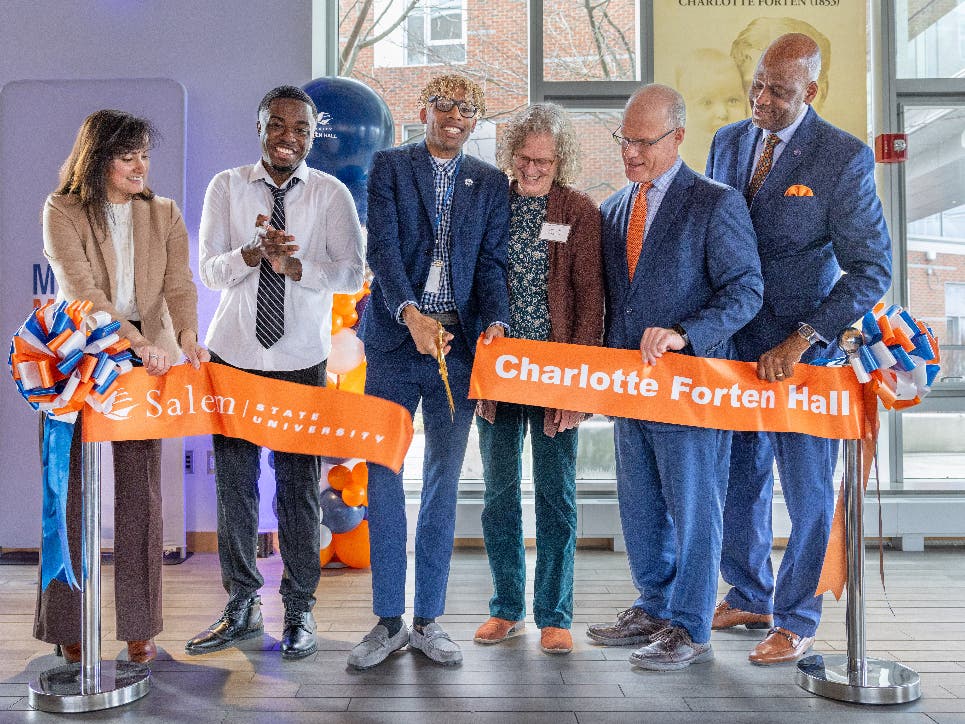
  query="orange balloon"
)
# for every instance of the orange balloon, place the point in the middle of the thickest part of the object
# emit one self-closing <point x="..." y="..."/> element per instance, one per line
<point x="353" y="381"/>
<point x="353" y="495"/>
<point x="337" y="322"/>
<point x="339" y="477"/>
<point x="350" y="318"/>
<point x="343" y="304"/>
<point x="352" y="548"/>
<point x="325" y="554"/>
<point x="360" y="475"/>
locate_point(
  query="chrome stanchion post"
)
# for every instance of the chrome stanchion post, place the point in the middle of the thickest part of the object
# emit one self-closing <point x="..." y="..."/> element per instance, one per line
<point x="90" y="621"/>
<point x="854" y="677"/>
<point x="91" y="684"/>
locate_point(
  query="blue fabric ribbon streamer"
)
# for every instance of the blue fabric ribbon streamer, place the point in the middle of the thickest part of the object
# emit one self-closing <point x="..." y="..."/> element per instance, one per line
<point x="55" y="562"/>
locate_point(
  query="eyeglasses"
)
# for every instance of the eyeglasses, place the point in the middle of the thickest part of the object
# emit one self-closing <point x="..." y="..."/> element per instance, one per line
<point x="638" y="143"/>
<point x="542" y="164"/>
<point x="444" y="105"/>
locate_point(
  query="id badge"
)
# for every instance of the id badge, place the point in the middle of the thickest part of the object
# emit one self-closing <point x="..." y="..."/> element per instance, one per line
<point x="555" y="232"/>
<point x="435" y="277"/>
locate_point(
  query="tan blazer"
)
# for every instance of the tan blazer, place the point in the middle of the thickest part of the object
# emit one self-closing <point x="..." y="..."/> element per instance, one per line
<point x="84" y="264"/>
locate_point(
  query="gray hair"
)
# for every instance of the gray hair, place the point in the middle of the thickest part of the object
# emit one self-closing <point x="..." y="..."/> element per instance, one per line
<point x="541" y="118"/>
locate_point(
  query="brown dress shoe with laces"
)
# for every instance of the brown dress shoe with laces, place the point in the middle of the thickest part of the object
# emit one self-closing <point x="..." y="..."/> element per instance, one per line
<point x="140" y="652"/>
<point x="726" y="616"/>
<point x="781" y="646"/>
<point x="497" y="629"/>
<point x="555" y="640"/>
<point x="633" y="626"/>
<point x="70" y="652"/>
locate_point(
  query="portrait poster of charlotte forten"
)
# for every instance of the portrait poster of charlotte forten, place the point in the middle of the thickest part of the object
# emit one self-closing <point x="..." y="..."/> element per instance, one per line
<point x="708" y="50"/>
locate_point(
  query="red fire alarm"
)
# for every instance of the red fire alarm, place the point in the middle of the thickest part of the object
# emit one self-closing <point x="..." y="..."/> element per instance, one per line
<point x="891" y="148"/>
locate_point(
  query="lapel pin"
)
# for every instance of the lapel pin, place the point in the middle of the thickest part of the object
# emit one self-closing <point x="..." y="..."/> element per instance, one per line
<point x="797" y="151"/>
<point x="468" y="182"/>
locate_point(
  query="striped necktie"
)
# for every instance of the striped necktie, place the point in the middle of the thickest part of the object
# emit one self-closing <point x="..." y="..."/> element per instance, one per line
<point x="763" y="166"/>
<point x="637" y="228"/>
<point x="270" y="317"/>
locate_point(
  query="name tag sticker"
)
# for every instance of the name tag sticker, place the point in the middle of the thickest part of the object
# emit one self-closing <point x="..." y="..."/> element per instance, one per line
<point x="434" y="278"/>
<point x="555" y="232"/>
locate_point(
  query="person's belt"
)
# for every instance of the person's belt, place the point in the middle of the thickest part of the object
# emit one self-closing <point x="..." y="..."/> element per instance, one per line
<point x="444" y="318"/>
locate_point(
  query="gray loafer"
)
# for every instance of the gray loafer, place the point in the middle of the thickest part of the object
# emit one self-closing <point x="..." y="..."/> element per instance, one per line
<point x="375" y="647"/>
<point x="436" y="644"/>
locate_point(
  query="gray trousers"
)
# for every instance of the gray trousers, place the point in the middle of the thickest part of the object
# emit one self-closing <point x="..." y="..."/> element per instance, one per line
<point x="237" y="469"/>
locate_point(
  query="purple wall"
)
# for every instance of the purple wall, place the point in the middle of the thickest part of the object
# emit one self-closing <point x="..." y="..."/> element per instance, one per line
<point x="226" y="54"/>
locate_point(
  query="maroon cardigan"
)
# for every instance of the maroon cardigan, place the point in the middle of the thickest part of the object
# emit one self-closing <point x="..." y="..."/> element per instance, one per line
<point x="575" y="283"/>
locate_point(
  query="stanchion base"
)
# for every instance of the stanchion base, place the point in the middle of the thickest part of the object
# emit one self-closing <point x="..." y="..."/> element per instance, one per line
<point x="58" y="690"/>
<point x="887" y="682"/>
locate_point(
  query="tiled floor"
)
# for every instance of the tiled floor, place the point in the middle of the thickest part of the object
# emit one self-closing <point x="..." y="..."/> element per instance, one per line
<point x="509" y="682"/>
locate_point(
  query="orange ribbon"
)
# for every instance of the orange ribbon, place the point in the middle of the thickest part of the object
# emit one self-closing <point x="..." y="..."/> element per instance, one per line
<point x="274" y="414"/>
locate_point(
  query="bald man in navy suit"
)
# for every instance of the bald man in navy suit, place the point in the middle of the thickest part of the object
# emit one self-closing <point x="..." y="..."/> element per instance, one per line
<point x="811" y="193"/>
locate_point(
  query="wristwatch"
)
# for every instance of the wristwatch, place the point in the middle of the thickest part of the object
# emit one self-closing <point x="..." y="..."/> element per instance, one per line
<point x="683" y="333"/>
<point x="808" y="333"/>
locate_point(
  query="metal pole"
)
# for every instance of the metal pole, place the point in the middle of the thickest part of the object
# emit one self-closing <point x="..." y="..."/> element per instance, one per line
<point x="90" y="623"/>
<point x="854" y="677"/>
<point x="854" y="527"/>
<point x="91" y="684"/>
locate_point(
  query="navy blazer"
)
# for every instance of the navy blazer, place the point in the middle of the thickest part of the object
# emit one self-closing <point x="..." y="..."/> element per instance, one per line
<point x="805" y="242"/>
<point x="402" y="209"/>
<point x="698" y="267"/>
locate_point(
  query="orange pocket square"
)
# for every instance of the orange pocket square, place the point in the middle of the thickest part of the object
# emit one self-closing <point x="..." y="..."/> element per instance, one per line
<point x="798" y="190"/>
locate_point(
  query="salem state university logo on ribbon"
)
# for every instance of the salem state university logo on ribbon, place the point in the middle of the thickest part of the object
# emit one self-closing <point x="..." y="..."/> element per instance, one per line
<point x="275" y="414"/>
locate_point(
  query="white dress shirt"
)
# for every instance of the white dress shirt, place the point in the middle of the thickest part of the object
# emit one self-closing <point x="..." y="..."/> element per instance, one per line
<point x="320" y="214"/>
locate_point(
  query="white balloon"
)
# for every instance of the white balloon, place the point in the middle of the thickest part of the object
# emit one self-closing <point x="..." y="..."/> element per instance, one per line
<point x="326" y="537"/>
<point x="347" y="352"/>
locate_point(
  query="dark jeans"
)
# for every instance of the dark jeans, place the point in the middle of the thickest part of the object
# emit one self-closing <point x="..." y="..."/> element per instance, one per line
<point x="554" y="480"/>
<point x="237" y="468"/>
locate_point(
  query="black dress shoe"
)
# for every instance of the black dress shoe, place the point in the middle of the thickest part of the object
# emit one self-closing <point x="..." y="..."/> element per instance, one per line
<point x="240" y="620"/>
<point x="298" y="640"/>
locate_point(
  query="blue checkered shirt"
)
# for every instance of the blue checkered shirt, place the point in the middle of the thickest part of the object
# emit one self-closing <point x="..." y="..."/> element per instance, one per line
<point x="443" y="176"/>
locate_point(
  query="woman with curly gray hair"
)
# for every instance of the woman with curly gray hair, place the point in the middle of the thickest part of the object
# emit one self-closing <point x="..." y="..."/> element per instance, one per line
<point x="555" y="294"/>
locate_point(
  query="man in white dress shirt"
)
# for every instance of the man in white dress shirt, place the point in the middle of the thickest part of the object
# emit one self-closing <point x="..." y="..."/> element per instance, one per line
<point x="277" y="240"/>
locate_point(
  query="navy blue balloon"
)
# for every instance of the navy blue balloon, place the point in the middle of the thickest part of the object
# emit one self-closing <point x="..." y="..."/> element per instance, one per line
<point x="353" y="123"/>
<point x="339" y="517"/>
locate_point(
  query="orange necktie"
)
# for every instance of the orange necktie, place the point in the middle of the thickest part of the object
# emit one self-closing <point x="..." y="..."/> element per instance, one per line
<point x="763" y="165"/>
<point x="637" y="226"/>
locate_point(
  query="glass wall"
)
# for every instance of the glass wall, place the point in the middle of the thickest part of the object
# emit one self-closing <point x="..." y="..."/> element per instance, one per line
<point x="589" y="56"/>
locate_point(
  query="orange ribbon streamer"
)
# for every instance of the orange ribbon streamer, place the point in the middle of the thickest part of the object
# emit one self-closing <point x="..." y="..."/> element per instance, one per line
<point x="278" y="415"/>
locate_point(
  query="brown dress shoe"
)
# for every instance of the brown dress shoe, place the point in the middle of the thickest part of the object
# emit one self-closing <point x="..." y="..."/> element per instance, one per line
<point x="70" y="652"/>
<point x="726" y="616"/>
<point x="497" y="629"/>
<point x="140" y="652"/>
<point x="555" y="640"/>
<point x="780" y="647"/>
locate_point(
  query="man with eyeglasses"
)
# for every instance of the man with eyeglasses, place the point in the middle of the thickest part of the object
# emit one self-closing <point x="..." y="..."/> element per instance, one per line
<point x="437" y="228"/>
<point x="682" y="275"/>
<point x="811" y="192"/>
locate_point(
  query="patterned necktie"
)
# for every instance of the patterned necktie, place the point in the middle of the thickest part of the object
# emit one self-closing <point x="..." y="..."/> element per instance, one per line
<point x="637" y="226"/>
<point x="763" y="166"/>
<point x="270" y="317"/>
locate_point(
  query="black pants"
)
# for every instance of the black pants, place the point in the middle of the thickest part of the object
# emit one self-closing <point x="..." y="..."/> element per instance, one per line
<point x="237" y="468"/>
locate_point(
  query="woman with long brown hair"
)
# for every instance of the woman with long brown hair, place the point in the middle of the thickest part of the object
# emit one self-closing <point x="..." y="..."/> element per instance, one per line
<point x="111" y="240"/>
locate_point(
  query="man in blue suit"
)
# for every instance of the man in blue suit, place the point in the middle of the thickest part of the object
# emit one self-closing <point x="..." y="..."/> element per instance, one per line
<point x="682" y="274"/>
<point x="811" y="192"/>
<point x="437" y="228"/>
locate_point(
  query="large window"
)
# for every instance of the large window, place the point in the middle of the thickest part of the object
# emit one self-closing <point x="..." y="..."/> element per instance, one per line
<point x="931" y="38"/>
<point x="589" y="56"/>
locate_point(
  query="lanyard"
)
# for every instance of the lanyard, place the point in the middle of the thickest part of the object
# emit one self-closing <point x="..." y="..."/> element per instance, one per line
<point x="447" y="198"/>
